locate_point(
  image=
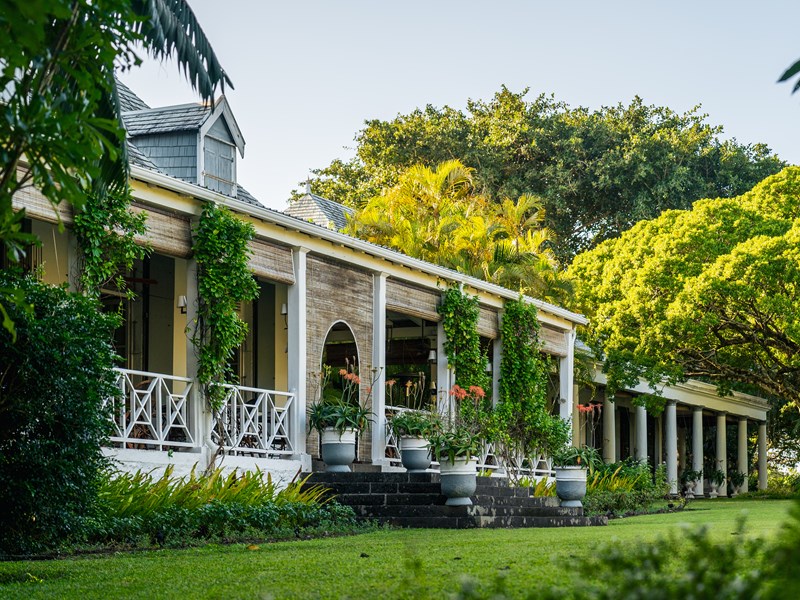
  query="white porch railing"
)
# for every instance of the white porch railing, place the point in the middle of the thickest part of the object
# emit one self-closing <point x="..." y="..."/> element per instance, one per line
<point x="392" y="453"/>
<point x="255" y="422"/>
<point x="152" y="411"/>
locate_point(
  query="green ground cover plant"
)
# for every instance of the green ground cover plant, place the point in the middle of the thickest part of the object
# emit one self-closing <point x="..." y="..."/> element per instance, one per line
<point x="139" y="511"/>
<point x="382" y="563"/>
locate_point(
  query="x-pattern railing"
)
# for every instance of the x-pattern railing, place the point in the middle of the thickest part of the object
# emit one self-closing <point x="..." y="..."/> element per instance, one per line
<point x="151" y="411"/>
<point x="392" y="453"/>
<point x="254" y="421"/>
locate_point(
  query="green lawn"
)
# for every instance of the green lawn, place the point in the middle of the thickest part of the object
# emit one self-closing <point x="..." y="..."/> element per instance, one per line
<point x="374" y="565"/>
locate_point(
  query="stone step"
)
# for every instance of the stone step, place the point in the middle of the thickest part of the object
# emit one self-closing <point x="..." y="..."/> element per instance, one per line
<point x="436" y="498"/>
<point x="470" y="522"/>
<point x="381" y="511"/>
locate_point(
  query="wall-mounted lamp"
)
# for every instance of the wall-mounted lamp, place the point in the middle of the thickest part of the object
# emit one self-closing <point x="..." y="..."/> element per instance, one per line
<point x="182" y="304"/>
<point x="285" y="313"/>
<point x="432" y="356"/>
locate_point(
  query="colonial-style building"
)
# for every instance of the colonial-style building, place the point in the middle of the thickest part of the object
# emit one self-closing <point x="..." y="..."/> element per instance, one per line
<point x="323" y="296"/>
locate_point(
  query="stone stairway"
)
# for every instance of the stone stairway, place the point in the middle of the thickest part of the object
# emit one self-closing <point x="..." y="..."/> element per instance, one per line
<point x="414" y="500"/>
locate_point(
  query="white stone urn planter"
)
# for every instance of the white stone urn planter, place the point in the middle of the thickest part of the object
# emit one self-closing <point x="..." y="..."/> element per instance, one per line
<point x="459" y="480"/>
<point x="571" y="485"/>
<point x="338" y="449"/>
<point x="415" y="452"/>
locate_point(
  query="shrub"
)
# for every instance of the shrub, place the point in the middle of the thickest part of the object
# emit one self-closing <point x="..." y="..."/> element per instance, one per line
<point x="625" y="487"/>
<point x="138" y="510"/>
<point x="54" y="380"/>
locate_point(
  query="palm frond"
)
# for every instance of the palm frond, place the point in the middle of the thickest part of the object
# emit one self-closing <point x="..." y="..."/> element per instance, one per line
<point x="170" y="28"/>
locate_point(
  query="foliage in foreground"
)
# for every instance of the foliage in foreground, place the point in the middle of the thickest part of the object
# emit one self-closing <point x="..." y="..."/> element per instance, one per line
<point x="53" y="383"/>
<point x="139" y="511"/>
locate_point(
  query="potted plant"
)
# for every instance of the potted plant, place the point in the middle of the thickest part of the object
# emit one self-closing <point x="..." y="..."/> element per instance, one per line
<point x="716" y="478"/>
<point x="737" y="481"/>
<point x="339" y="416"/>
<point x="412" y="428"/>
<point x="455" y="450"/>
<point x="690" y="479"/>
<point x="571" y="464"/>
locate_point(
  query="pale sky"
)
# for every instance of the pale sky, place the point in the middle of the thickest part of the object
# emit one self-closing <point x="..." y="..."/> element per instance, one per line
<point x="308" y="73"/>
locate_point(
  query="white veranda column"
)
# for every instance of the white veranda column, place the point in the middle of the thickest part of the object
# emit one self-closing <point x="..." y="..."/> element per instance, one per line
<point x="741" y="452"/>
<point x="297" y="362"/>
<point x="443" y="374"/>
<point x="722" y="452"/>
<point x="671" y="443"/>
<point x="640" y="448"/>
<point x="579" y="425"/>
<point x="566" y="374"/>
<point x="199" y="413"/>
<point x="762" y="455"/>
<point x="379" y="363"/>
<point x="697" y="446"/>
<point x="609" y="431"/>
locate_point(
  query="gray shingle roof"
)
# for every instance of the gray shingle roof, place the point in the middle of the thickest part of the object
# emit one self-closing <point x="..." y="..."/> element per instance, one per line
<point x="184" y="117"/>
<point x="245" y="196"/>
<point x="137" y="158"/>
<point x="321" y="211"/>
<point x="129" y="101"/>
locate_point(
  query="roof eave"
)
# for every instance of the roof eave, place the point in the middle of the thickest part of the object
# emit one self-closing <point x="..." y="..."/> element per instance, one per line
<point x="282" y="220"/>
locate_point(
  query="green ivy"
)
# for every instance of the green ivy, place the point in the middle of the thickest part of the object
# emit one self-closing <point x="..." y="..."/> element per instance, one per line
<point x="524" y="423"/>
<point x="462" y="344"/>
<point x="223" y="281"/>
<point x="106" y="231"/>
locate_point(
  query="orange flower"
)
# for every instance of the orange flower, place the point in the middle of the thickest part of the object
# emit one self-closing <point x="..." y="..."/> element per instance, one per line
<point x="477" y="391"/>
<point x="458" y="392"/>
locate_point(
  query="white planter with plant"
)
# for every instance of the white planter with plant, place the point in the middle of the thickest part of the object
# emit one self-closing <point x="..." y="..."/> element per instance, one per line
<point x="411" y="428"/>
<point x="454" y="450"/>
<point x="571" y="466"/>
<point x="339" y="416"/>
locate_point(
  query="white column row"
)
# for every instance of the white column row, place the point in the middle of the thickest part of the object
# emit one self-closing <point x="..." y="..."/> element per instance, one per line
<point x="670" y="425"/>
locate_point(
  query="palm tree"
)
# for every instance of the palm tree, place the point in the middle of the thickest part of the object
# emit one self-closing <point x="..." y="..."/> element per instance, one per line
<point x="435" y="215"/>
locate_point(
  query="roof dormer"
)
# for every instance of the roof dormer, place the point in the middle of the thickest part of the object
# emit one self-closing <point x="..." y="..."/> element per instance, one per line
<point x="193" y="142"/>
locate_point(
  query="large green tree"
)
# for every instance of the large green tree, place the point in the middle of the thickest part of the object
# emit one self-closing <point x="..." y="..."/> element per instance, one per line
<point x="710" y="293"/>
<point x="597" y="171"/>
<point x="60" y="126"/>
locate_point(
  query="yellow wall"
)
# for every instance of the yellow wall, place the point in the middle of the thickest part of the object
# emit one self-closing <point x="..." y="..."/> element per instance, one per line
<point x="179" y="337"/>
<point x="55" y="252"/>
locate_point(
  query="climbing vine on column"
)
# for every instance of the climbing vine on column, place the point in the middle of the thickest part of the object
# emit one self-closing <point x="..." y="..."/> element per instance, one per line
<point x="462" y="343"/>
<point x="223" y="281"/>
<point x="524" y="421"/>
<point x="106" y="229"/>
